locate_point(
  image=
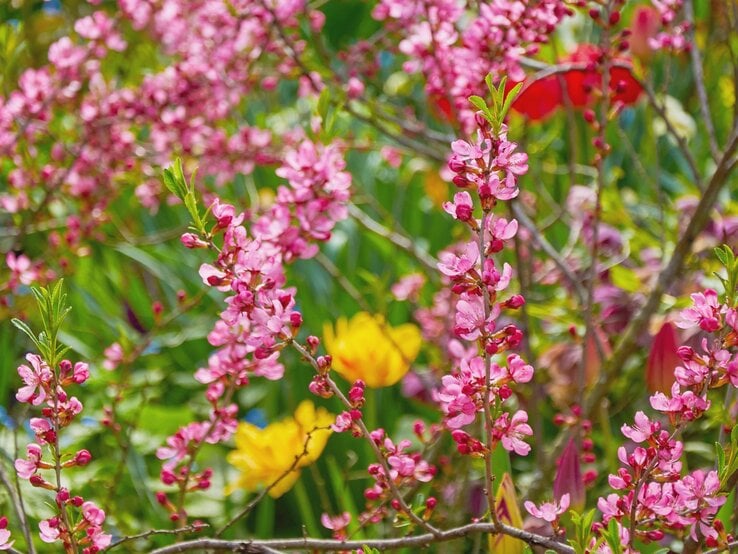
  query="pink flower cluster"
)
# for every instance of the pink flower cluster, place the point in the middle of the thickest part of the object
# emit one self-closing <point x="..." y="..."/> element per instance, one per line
<point x="653" y="494"/>
<point x="404" y="469"/>
<point x="490" y="167"/>
<point x="674" y="34"/>
<point x="45" y="386"/>
<point x="260" y="318"/>
<point x="456" y="48"/>
<point x="123" y="130"/>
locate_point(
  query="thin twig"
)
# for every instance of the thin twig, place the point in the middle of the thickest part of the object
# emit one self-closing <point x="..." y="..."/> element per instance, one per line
<point x="152" y="532"/>
<point x="394" y="237"/>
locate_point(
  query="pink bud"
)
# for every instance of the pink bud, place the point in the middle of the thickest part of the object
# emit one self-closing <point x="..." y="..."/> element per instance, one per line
<point x="191" y="240"/>
<point x="83" y="457"/>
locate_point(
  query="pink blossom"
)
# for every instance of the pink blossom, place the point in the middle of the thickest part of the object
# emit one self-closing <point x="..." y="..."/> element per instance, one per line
<point x="37" y="379"/>
<point x="26" y="468"/>
<point x="337" y="524"/>
<point x="408" y="287"/>
<point x="548" y="511"/>
<point x="457" y="266"/>
<point x="643" y="429"/>
<point x="705" y="312"/>
<point x="49" y="529"/>
<point x="462" y="208"/>
<point x="512" y="431"/>
<point x="5" y="542"/>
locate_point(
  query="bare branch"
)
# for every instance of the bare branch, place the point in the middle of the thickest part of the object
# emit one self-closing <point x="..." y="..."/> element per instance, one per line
<point x="325" y="545"/>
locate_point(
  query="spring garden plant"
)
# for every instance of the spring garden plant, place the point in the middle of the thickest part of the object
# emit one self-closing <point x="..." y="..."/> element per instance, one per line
<point x="364" y="276"/>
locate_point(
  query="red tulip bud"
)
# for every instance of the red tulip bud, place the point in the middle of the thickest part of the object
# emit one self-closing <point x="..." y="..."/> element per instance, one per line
<point x="662" y="360"/>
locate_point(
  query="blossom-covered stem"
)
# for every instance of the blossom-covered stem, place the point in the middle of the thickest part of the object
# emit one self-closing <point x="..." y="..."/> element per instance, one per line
<point x="56" y="453"/>
<point x="646" y="474"/>
<point x="416" y="541"/>
<point x="699" y="80"/>
<point x="488" y="422"/>
<point x="365" y="433"/>
<point x="184" y="483"/>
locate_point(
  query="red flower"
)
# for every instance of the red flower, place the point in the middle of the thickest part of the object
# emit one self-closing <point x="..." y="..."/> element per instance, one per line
<point x="542" y="97"/>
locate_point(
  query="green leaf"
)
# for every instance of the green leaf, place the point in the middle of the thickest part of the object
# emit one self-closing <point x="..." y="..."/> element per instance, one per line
<point x="479" y="103"/>
<point x="720" y="457"/>
<point x="721" y="255"/>
<point x="509" y="99"/>
<point x="27" y="330"/>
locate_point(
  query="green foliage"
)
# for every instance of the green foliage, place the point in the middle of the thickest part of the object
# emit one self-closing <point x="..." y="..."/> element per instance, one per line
<point x="729" y="261"/>
<point x="496" y="113"/>
<point x="53" y="308"/>
<point x="174" y="179"/>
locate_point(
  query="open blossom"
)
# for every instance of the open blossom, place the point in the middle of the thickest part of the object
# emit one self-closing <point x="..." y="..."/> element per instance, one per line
<point x="37" y="379"/>
<point x="548" y="511"/>
<point x="705" y="312"/>
<point x="368" y="348"/>
<point x="337" y="524"/>
<point x="29" y="466"/>
<point x="511" y="432"/>
<point x="273" y="456"/>
<point x="5" y="542"/>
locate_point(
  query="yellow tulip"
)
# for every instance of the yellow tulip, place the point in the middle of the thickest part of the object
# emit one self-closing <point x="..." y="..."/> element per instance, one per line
<point x="368" y="348"/>
<point x="273" y="456"/>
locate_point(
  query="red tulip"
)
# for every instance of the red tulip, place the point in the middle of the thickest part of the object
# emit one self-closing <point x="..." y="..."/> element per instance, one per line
<point x="662" y="359"/>
<point x="542" y="97"/>
<point x="538" y="100"/>
<point x="580" y="83"/>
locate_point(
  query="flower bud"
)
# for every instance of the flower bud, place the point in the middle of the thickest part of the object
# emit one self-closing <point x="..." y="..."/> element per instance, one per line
<point x="191" y="240"/>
